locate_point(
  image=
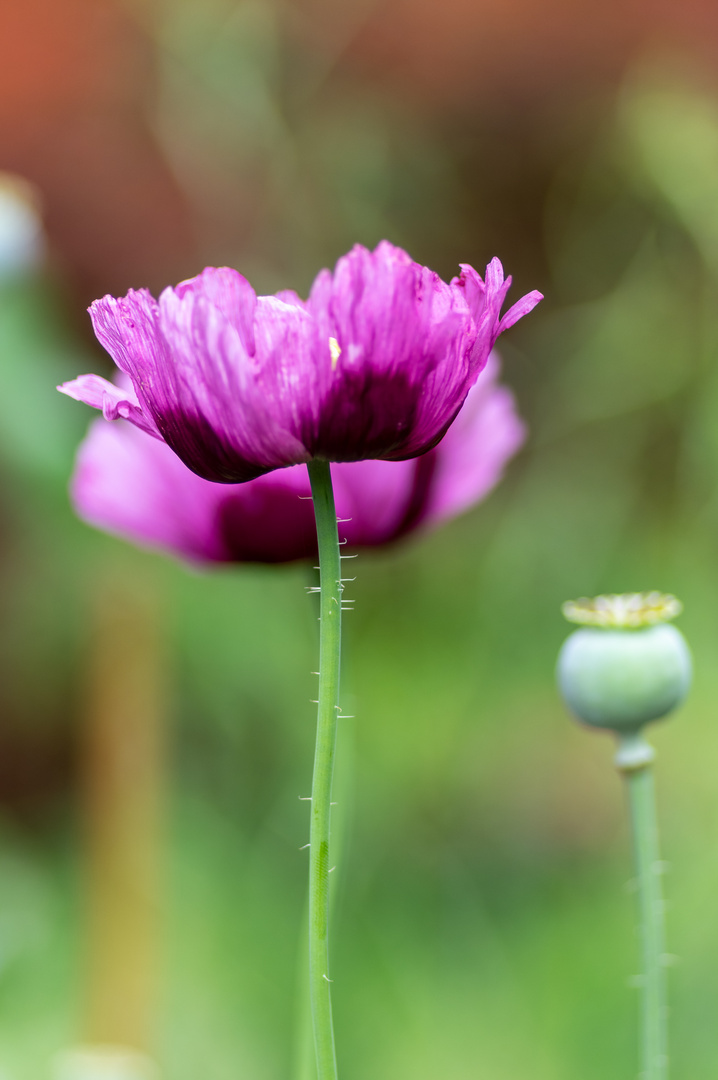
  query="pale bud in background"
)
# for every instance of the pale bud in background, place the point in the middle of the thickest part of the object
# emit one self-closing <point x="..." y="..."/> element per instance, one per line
<point x="625" y="667"/>
<point x="22" y="244"/>
<point x="103" y="1063"/>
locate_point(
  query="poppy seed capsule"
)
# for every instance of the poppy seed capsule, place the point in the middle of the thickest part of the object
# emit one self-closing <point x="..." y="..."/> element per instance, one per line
<point x="620" y="678"/>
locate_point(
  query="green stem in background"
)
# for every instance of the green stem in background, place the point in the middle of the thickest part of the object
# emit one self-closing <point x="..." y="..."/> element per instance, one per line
<point x="328" y="707"/>
<point x="634" y="760"/>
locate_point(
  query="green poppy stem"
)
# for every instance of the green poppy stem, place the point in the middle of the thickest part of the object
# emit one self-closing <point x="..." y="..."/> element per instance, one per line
<point x="634" y="760"/>
<point x="328" y="708"/>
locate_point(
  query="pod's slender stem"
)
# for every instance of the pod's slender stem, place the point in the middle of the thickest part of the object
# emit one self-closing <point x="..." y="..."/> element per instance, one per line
<point x="634" y="759"/>
<point x="328" y="707"/>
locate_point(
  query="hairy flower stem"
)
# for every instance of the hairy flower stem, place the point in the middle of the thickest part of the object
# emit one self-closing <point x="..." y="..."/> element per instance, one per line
<point x="634" y="760"/>
<point x="329" y="659"/>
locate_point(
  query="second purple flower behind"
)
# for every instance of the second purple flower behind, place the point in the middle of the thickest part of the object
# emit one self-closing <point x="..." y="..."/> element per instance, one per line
<point x="132" y="485"/>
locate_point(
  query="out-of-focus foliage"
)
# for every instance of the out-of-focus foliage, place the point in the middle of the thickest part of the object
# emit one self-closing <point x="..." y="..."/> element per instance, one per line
<point x="289" y="158"/>
<point x="482" y="928"/>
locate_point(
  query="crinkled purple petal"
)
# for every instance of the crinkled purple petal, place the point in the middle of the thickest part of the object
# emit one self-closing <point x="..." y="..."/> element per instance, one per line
<point x="248" y="404"/>
<point x="404" y="363"/>
<point x="115" y="402"/>
<point x="194" y="359"/>
<point x="522" y="307"/>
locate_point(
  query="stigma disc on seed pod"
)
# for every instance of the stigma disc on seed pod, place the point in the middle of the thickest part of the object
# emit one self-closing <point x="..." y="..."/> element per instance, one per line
<point x="625" y="667"/>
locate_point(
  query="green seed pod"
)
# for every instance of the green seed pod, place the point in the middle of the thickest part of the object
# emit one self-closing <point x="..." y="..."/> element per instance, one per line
<point x="626" y="667"/>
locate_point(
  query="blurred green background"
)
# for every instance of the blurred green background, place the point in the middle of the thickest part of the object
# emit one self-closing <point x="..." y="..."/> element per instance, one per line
<point x="484" y="925"/>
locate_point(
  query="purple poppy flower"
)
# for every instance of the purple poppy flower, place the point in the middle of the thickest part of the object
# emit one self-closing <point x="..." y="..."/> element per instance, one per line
<point x="134" y="486"/>
<point x="375" y="364"/>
